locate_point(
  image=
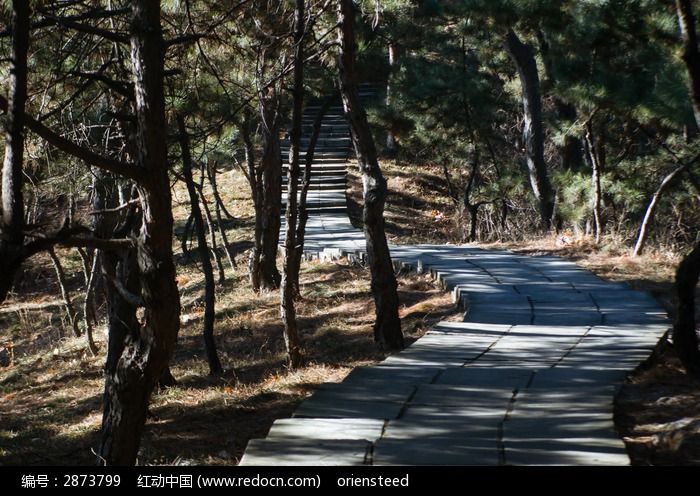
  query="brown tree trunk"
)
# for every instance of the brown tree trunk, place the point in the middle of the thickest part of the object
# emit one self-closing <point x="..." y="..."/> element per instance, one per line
<point x="212" y="236"/>
<point x="287" y="308"/>
<point x="533" y="130"/>
<point x="685" y="338"/>
<point x="12" y="235"/>
<point x="65" y="293"/>
<point x="271" y="211"/>
<point x="691" y="52"/>
<point x="254" y="176"/>
<point x="134" y="373"/>
<point x="209" y="287"/>
<point x="303" y="211"/>
<point x="218" y="207"/>
<point x="387" y="326"/>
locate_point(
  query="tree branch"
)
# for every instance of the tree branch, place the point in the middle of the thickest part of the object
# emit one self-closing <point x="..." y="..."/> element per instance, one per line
<point x="125" y="169"/>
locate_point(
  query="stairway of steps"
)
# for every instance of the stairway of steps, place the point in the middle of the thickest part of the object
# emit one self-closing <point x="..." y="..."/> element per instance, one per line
<point x="528" y="377"/>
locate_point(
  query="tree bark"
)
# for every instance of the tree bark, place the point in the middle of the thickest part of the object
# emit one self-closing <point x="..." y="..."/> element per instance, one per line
<point x="186" y="235"/>
<point x="303" y="211"/>
<point x="218" y="207"/>
<point x="691" y="52"/>
<point x="132" y="375"/>
<point x="533" y="131"/>
<point x="89" y="313"/>
<point x="254" y="176"/>
<point x="387" y="326"/>
<point x="271" y="211"/>
<point x="570" y="155"/>
<point x="212" y="237"/>
<point x="65" y="294"/>
<point x="287" y="307"/>
<point x="391" y="147"/>
<point x="651" y="208"/>
<point x="12" y="238"/>
<point x="209" y="287"/>
<point x="595" y="156"/>
<point x="685" y="338"/>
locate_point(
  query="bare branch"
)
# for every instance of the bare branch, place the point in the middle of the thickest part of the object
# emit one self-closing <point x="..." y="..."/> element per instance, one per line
<point x="125" y="169"/>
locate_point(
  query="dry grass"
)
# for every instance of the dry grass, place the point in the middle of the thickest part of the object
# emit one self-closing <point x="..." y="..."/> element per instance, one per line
<point x="418" y="208"/>
<point x="50" y="397"/>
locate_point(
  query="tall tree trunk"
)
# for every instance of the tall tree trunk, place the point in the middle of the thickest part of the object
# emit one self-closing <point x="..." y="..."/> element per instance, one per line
<point x="209" y="289"/>
<point x="595" y="158"/>
<point x="65" y="293"/>
<point x="387" y="326"/>
<point x="467" y="206"/>
<point x="185" y="238"/>
<point x="254" y="176"/>
<point x="570" y="153"/>
<point x="685" y="338"/>
<point x="390" y="138"/>
<point x="12" y="235"/>
<point x="533" y="131"/>
<point x="651" y="208"/>
<point x="271" y="210"/>
<point x="89" y="313"/>
<point x="144" y="355"/>
<point x="303" y="211"/>
<point x="691" y="52"/>
<point x="287" y="308"/>
<point x="218" y="207"/>
<point x="212" y="237"/>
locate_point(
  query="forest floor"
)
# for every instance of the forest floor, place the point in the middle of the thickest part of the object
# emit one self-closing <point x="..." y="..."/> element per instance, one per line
<point x="50" y="395"/>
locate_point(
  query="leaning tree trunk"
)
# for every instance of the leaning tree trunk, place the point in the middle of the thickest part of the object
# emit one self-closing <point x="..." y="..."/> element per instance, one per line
<point x="212" y="235"/>
<point x="218" y="207"/>
<point x="287" y="307"/>
<point x="685" y="338"/>
<point x="209" y="286"/>
<point x="65" y="293"/>
<point x="533" y="130"/>
<point x="651" y="208"/>
<point x="12" y="227"/>
<point x="145" y="355"/>
<point x="271" y="211"/>
<point x="691" y="52"/>
<point x="387" y="326"/>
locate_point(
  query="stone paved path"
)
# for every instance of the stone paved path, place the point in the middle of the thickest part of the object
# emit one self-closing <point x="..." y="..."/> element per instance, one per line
<point x="529" y="377"/>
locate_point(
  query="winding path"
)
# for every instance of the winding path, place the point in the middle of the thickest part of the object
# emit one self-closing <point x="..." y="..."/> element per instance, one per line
<point x="529" y="377"/>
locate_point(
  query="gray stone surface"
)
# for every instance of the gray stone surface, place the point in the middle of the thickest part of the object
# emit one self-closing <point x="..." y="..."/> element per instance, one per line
<point x="327" y="429"/>
<point x="305" y="452"/>
<point x="528" y="377"/>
